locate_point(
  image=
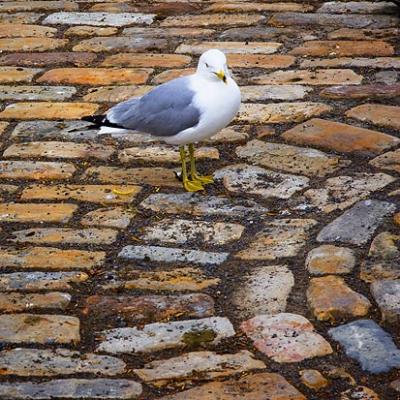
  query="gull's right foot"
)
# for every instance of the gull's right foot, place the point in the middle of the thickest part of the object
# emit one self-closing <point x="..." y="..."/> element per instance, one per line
<point x="192" y="186"/>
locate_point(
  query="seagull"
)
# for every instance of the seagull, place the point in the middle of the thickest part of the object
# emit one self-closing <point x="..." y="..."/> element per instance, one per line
<point x="182" y="112"/>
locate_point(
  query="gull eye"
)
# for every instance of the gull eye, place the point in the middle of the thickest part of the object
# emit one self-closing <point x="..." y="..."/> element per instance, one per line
<point x="207" y="65"/>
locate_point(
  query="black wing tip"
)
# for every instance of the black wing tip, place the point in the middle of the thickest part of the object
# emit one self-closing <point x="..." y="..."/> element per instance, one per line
<point x="100" y="120"/>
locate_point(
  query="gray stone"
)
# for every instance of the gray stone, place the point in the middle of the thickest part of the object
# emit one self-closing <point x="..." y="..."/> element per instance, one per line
<point x="357" y="225"/>
<point x="190" y="203"/>
<point x="161" y="336"/>
<point x="174" y="255"/>
<point x="367" y="343"/>
<point x="273" y="92"/>
<point x="38" y="362"/>
<point x="243" y="178"/>
<point x="167" y="32"/>
<point x="118" y="389"/>
<point x="264" y="291"/>
<point x="379" y="62"/>
<point x="44" y="93"/>
<point x="387" y="77"/>
<point x="358" y="7"/>
<point x="11" y="302"/>
<point x="98" y="18"/>
<point x="260" y="33"/>
<point x="387" y="295"/>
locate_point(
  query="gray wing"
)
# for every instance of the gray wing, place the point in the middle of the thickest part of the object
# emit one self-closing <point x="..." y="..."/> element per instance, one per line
<point x="165" y="111"/>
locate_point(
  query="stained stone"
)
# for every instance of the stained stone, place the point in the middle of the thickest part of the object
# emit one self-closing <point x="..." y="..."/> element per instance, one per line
<point x="367" y="343"/>
<point x="388" y="161"/>
<point x="20" y="18"/>
<point x="313" y="379"/>
<point x="292" y="159"/>
<point x="12" y="302"/>
<point x="180" y="231"/>
<point x="361" y="34"/>
<point x="12" y="6"/>
<point x="35" y="362"/>
<point x="161" y="336"/>
<point x="34" y="281"/>
<point x="116" y="94"/>
<point x="279" y="238"/>
<point x="190" y="203"/>
<point x="44" y="93"/>
<point x="358" y="224"/>
<point x="243" y="178"/>
<point x="285" y="337"/>
<point x="111" y="217"/>
<point x="273" y="92"/>
<point x="359" y="393"/>
<point x="264" y="290"/>
<point x="173" y="255"/>
<point x="377" y="114"/>
<point x="356" y="62"/>
<point x="167" y="32"/>
<point x="387" y="295"/>
<point x="374" y="91"/>
<point x="386" y="77"/>
<point x="206" y="20"/>
<point x="117" y="389"/>
<point x="201" y="365"/>
<point x="358" y="7"/>
<point x="50" y="59"/>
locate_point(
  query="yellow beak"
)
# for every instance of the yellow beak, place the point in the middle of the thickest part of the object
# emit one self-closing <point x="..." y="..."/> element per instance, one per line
<point x="221" y="75"/>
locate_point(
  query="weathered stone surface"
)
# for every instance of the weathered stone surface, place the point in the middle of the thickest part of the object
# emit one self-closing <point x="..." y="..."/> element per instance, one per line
<point x="43" y="329"/>
<point x="367" y="343"/>
<point x="200" y="365"/>
<point x="96" y="76"/>
<point x="280" y="112"/>
<point x="374" y="91"/>
<point x="357" y="7"/>
<point x="389" y="161"/>
<point x="9" y="30"/>
<point x="50" y="258"/>
<point x="147" y="60"/>
<point x="47" y="110"/>
<point x="233" y="133"/>
<point x="231" y="47"/>
<point x="357" y="225"/>
<point x="32" y="44"/>
<point x="175" y="280"/>
<point x="308" y="77"/>
<point x="12" y="6"/>
<point x="3" y="126"/>
<point x="339" y="137"/>
<point x="167" y="32"/>
<point x="58" y="150"/>
<point x="35" y="170"/>
<point x="359" y="393"/>
<point x="297" y="160"/>
<point x="110" y="217"/>
<point x="313" y="379"/>
<point x="34" y="281"/>
<point x="98" y="19"/>
<point x="44" y="93"/>
<point x="386" y="77"/>
<point x="66" y="235"/>
<point x="47" y="59"/>
<point x="86" y="31"/>
<point x="387" y="295"/>
<point x="104" y="194"/>
<point x="285" y="337"/>
<point x="205" y="20"/>
<point x="28" y="212"/>
<point x="262" y="33"/>
<point x="361" y="34"/>
<point x="342" y="48"/>
<point x="328" y="259"/>
<point x="279" y="238"/>
<point x="378" y="114"/>
<point x="15" y="75"/>
<point x="89" y="389"/>
<point x="380" y="62"/>
<point x="115" y="94"/>
<point x="272" y="92"/>
<point x="149" y="308"/>
<point x="342" y="192"/>
<point x="20" y="18"/>
<point x="12" y="302"/>
<point x="250" y="387"/>
<point x="173" y="255"/>
<point x="160" y="336"/>
<point x="330" y="299"/>
<point x="180" y="231"/>
<point x="35" y="362"/>
<point x="395" y="385"/>
<point x="171" y="74"/>
<point x="264" y="290"/>
<point x="243" y="178"/>
<point x="245" y="60"/>
<point x="190" y="203"/>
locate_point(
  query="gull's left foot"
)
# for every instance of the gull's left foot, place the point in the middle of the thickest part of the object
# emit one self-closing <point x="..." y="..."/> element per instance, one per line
<point x="204" y="180"/>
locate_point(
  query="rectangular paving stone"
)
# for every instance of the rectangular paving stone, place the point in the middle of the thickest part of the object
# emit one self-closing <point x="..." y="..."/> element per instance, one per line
<point x="231" y="47"/>
<point x="206" y="20"/>
<point x="59" y="150"/>
<point x="378" y="114"/>
<point x="162" y="336"/>
<point x="200" y="365"/>
<point x="227" y="7"/>
<point x="48" y="59"/>
<point x="170" y="74"/>
<point x="35" y="170"/>
<point x="340" y="137"/>
<point x="280" y="238"/>
<point x="35" y="281"/>
<point x="357" y="225"/>
<point x="32" y="44"/>
<point x="50" y="258"/>
<point x="38" y="362"/>
<point x="147" y="60"/>
<point x="236" y="60"/>
<point x="388" y="161"/>
<point x="30" y="212"/>
<point x="96" y="76"/>
<point x="47" y="110"/>
<point x="167" y="32"/>
<point x="98" y="19"/>
<point x="66" y="235"/>
<point x="361" y="34"/>
<point x="117" y="389"/>
<point x="14" y="302"/>
<point x="25" y="30"/>
<point x="357" y="7"/>
<point x="86" y="31"/>
<point x="13" y="6"/>
<point x="379" y="62"/>
<point x="273" y="92"/>
<point x="44" y="93"/>
<point x="110" y="217"/>
<point x="15" y="75"/>
<point x="175" y="255"/>
<point x="116" y="94"/>
<point x="103" y="194"/>
<point x="20" y="18"/>
<point x="373" y="91"/>
<point x="386" y="294"/>
<point x="39" y="329"/>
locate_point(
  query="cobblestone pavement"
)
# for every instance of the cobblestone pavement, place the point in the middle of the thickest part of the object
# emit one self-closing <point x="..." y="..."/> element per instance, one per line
<point x="280" y="282"/>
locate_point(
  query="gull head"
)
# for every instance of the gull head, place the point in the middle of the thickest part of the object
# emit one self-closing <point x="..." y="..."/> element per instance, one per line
<point x="212" y="65"/>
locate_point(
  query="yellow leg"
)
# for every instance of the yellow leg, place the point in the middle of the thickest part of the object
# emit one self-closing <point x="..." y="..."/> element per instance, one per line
<point x="204" y="180"/>
<point x="189" y="185"/>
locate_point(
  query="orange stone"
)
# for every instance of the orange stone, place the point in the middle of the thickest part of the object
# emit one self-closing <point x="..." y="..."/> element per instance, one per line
<point x="259" y="7"/>
<point x="25" y="30"/>
<point x="213" y="19"/>
<point x="35" y="170"/>
<point x="147" y="60"/>
<point x="16" y="74"/>
<point x="378" y="114"/>
<point x="260" y="61"/>
<point x="115" y="94"/>
<point x="32" y="44"/>
<point x="86" y="31"/>
<point x="172" y="74"/>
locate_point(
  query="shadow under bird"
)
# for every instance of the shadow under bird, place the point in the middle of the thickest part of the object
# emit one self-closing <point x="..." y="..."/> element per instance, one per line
<point x="181" y="112"/>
